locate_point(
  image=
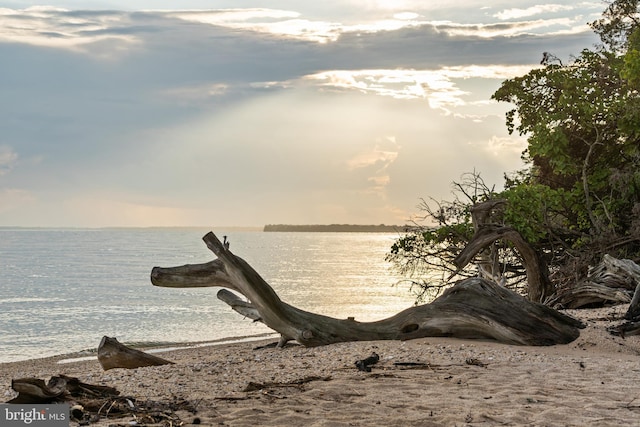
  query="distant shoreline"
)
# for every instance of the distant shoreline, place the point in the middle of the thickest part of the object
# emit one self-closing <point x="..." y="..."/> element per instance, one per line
<point x="342" y="228"/>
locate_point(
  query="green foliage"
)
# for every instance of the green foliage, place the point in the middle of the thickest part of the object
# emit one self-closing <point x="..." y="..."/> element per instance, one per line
<point x="533" y="209"/>
<point x="580" y="194"/>
<point x="582" y="121"/>
<point x="631" y="67"/>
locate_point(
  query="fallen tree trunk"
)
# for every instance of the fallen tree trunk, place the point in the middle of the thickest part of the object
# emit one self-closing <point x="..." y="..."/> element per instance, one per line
<point x="588" y="293"/>
<point x="112" y="354"/>
<point x="612" y="281"/>
<point x="473" y="308"/>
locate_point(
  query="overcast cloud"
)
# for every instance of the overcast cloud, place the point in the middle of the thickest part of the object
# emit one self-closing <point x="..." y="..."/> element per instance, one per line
<point x="226" y="113"/>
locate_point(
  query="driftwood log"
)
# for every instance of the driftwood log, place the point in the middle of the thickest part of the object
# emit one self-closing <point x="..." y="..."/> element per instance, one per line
<point x="612" y="281"/>
<point x="632" y="270"/>
<point x="89" y="403"/>
<point x="112" y="354"/>
<point x="60" y="388"/>
<point x="473" y="308"/>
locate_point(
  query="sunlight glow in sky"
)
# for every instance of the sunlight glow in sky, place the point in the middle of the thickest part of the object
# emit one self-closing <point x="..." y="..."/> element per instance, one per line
<point x="143" y="114"/>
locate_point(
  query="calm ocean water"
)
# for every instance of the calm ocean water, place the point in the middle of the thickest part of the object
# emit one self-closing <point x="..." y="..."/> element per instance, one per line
<point x="63" y="289"/>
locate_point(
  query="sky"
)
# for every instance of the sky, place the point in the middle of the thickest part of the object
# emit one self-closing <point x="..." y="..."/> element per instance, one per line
<point x="244" y="113"/>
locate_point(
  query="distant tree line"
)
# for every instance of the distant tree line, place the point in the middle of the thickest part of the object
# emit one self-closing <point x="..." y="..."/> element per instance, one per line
<point x="345" y="228"/>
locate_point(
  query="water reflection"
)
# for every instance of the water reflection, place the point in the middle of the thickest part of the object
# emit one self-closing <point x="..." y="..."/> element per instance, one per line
<point x="64" y="289"/>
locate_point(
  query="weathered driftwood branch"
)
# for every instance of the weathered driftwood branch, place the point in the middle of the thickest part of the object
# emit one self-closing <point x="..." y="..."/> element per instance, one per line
<point x="588" y="293"/>
<point x="624" y="274"/>
<point x="35" y="390"/>
<point x="112" y="354"/>
<point x="473" y="308"/>
<point x="612" y="281"/>
<point x="540" y="287"/>
<point x="239" y="305"/>
<point x="487" y="259"/>
<point x="60" y="388"/>
<point x="627" y="273"/>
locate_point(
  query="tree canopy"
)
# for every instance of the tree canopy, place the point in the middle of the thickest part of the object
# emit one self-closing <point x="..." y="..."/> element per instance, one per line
<point x="579" y="195"/>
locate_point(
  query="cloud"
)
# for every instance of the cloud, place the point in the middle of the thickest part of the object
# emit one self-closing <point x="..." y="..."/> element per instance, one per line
<point x="437" y="86"/>
<point x="7" y="159"/>
<point x="195" y="94"/>
<point x="539" y="9"/>
<point x="275" y="22"/>
<point x="233" y="16"/>
<point x="377" y="156"/>
<point x="124" y="31"/>
<point x="498" y="146"/>
<point x="406" y="16"/>
<point x="293" y="113"/>
<point x="325" y="31"/>
<point x="549" y="27"/>
<point x="61" y="28"/>
<point x="376" y="161"/>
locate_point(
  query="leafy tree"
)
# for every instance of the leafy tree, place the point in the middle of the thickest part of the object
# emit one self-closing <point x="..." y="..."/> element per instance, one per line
<point x="583" y="132"/>
<point x="579" y="196"/>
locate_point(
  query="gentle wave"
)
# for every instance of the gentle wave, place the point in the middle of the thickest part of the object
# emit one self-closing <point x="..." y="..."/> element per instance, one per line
<point x="28" y="300"/>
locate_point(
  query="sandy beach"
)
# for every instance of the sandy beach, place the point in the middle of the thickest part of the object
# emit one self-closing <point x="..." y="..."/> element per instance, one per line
<point x="424" y="382"/>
